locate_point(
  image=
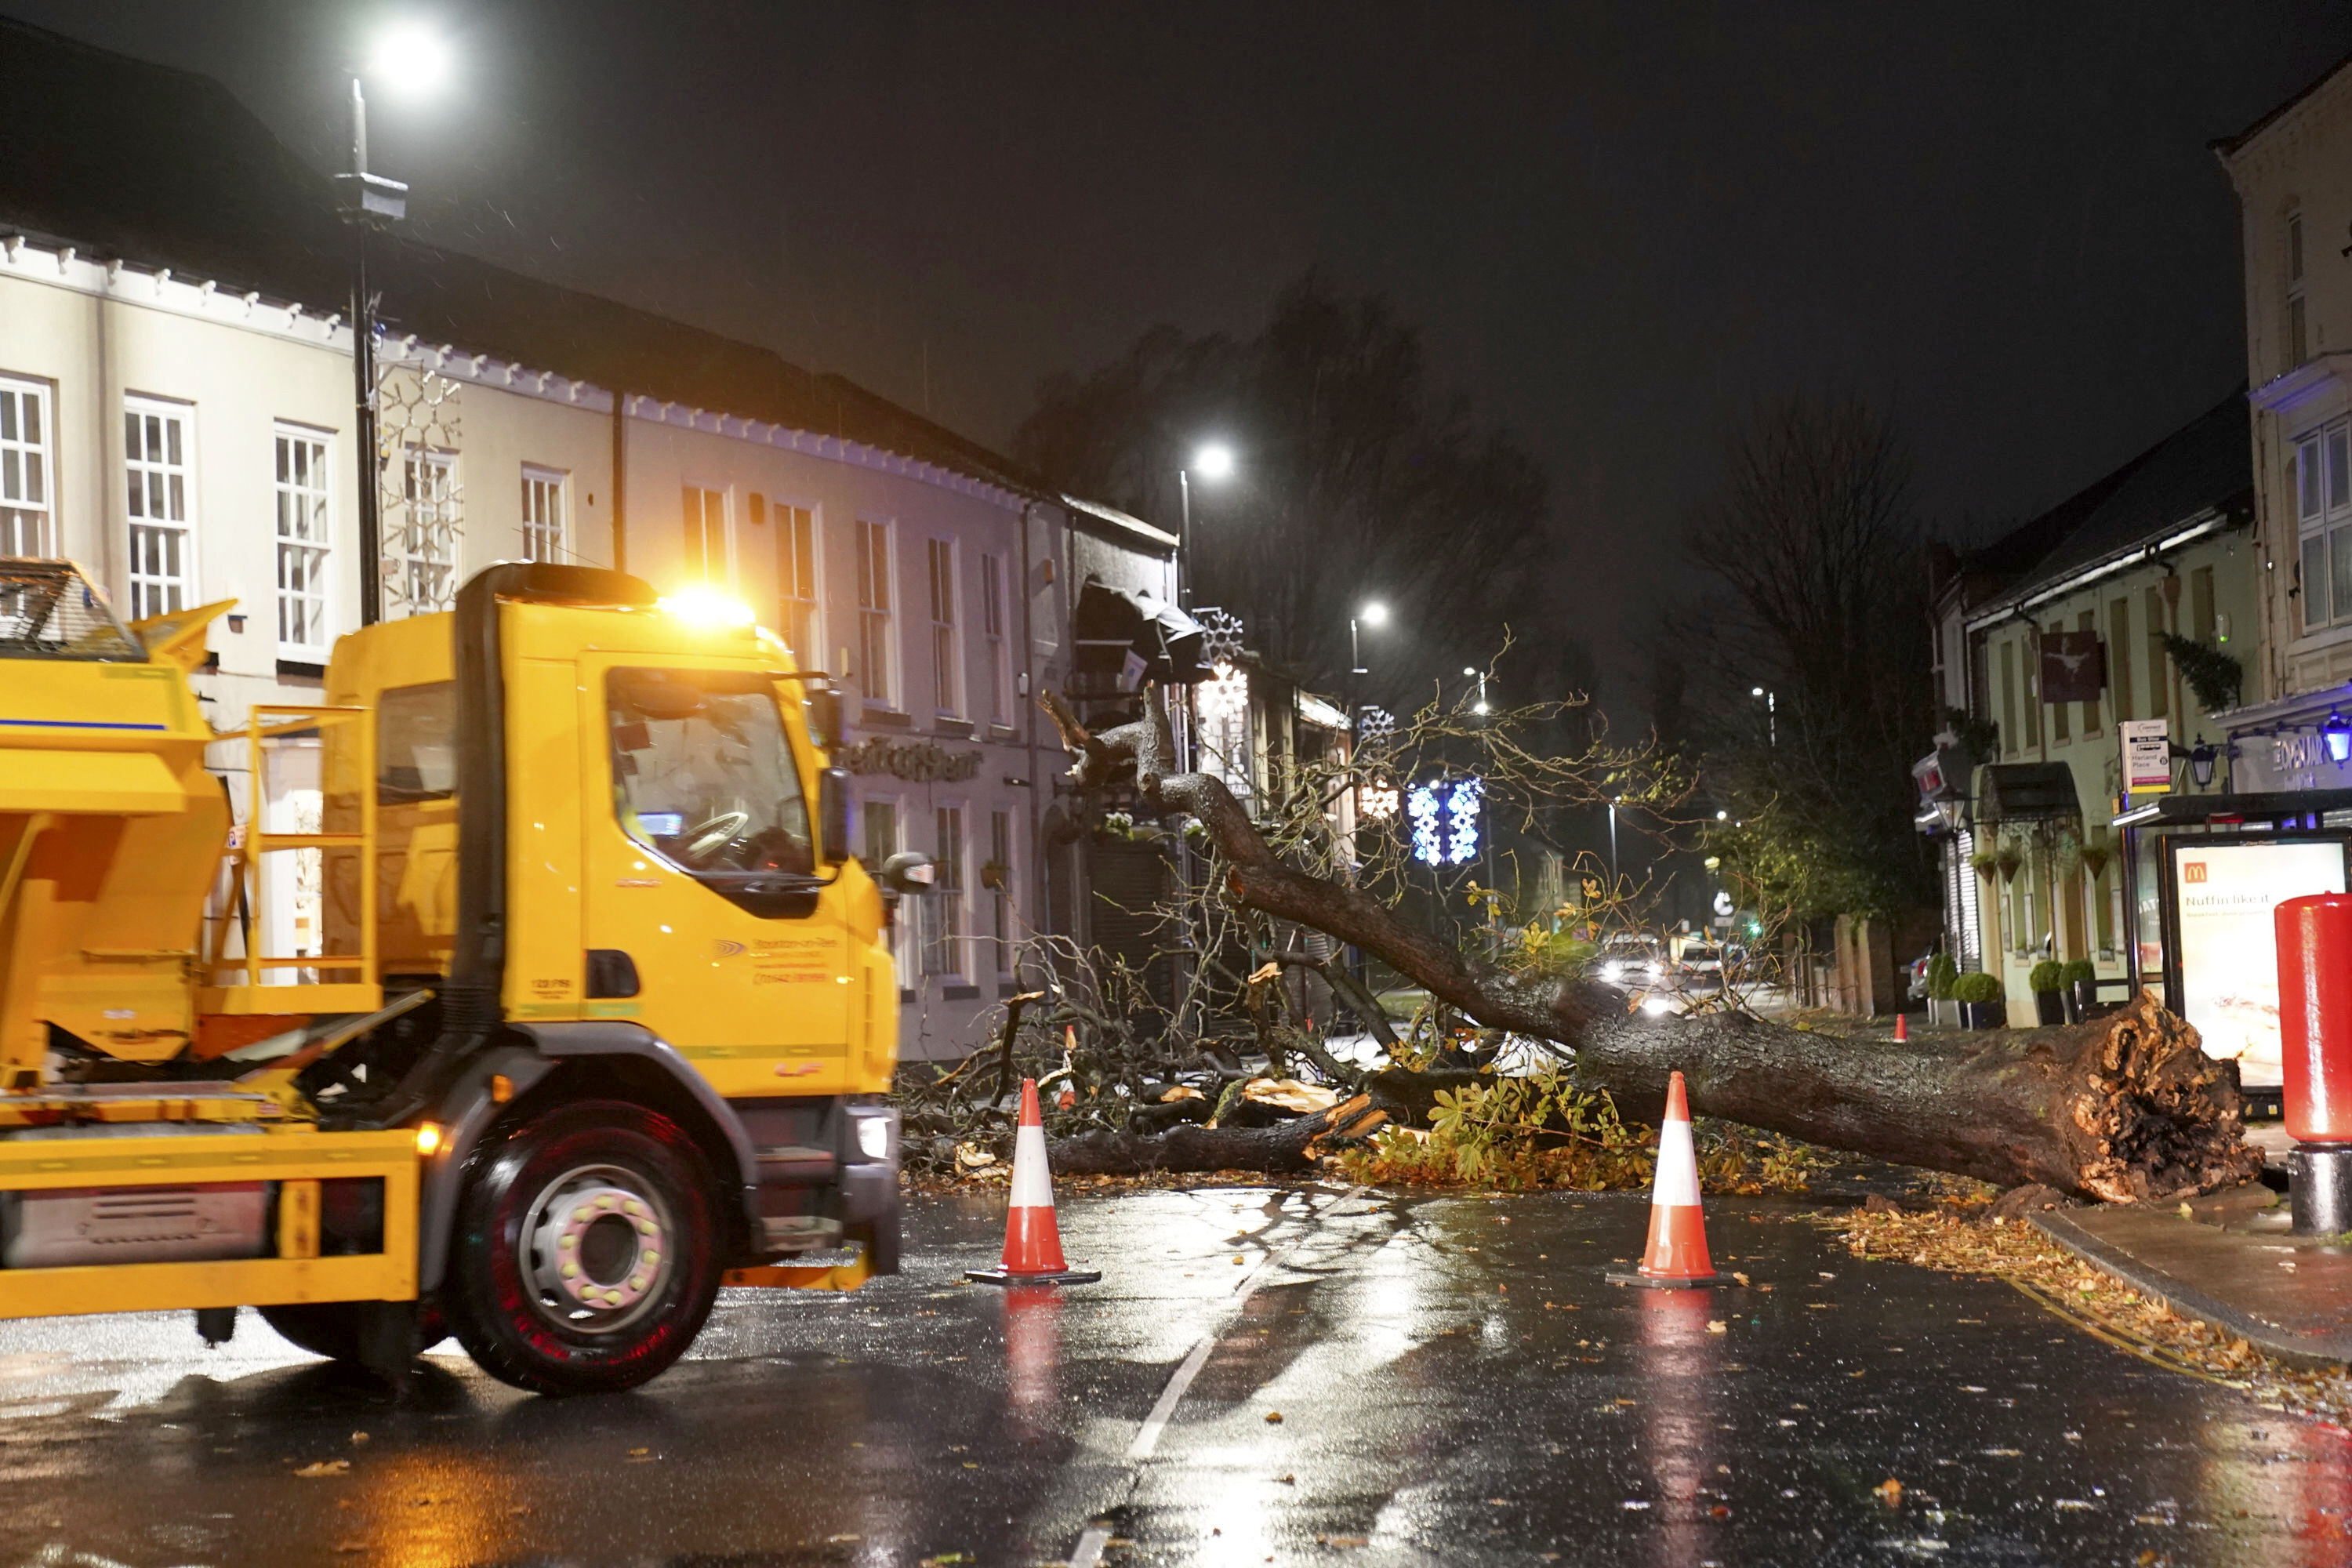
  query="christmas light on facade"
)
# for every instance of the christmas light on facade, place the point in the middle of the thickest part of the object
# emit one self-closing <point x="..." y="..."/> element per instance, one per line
<point x="1461" y="802"/>
<point x="1428" y="835"/>
<point x="1379" y="800"/>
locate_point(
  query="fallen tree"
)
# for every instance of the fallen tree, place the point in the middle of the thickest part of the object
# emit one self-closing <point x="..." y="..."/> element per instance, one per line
<point x="2119" y="1108"/>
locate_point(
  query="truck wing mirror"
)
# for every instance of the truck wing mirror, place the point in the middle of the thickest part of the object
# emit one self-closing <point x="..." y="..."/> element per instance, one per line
<point x="836" y="833"/>
<point x="907" y="872"/>
<point x="824" y="717"/>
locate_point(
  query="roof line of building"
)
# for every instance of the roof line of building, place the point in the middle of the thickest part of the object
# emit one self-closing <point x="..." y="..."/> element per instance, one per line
<point x="2214" y="519"/>
<point x="2229" y="146"/>
<point x="1119" y="519"/>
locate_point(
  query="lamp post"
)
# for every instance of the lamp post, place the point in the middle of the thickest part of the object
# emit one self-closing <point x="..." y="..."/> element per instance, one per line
<point x="1612" y="844"/>
<point x="408" y="58"/>
<point x="1214" y="461"/>
<point x="1479" y="707"/>
<point x="1772" y="713"/>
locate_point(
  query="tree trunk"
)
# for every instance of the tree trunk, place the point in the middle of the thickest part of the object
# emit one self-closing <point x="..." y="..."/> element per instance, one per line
<point x="2122" y="1108"/>
<point x="1286" y="1146"/>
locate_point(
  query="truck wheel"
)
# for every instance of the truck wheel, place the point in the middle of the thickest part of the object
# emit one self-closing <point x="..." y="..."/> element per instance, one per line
<point x="587" y="1250"/>
<point x="879" y="1238"/>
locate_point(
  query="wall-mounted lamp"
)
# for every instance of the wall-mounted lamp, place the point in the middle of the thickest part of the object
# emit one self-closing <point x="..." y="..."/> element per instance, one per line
<point x="2200" y="762"/>
<point x="2337" y="733"/>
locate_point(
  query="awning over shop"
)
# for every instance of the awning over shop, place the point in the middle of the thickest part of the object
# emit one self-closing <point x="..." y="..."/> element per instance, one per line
<point x="2026" y="791"/>
<point x="2268" y="806"/>
<point x="1135" y="635"/>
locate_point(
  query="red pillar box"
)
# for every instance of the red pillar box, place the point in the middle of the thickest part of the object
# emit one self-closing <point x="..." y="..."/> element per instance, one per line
<point x="2314" y="971"/>
<point x="2315" y="960"/>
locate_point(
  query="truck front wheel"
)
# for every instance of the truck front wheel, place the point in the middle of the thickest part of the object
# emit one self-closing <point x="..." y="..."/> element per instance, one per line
<point x="586" y="1256"/>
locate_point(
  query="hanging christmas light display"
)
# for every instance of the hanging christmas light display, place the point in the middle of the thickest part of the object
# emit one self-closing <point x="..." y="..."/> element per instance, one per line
<point x="1461" y="802"/>
<point x="1428" y="833"/>
<point x="1379" y="800"/>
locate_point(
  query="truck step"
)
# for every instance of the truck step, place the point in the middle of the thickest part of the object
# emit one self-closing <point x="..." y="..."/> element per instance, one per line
<point x="799" y="1233"/>
<point x="795" y="1166"/>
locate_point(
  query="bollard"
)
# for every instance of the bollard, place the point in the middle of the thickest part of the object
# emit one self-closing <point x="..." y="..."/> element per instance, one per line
<point x="2314" y="962"/>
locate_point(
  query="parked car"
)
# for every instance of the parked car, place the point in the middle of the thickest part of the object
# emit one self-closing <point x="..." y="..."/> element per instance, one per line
<point x="1918" y="970"/>
<point x="1631" y="958"/>
<point x="1702" y="964"/>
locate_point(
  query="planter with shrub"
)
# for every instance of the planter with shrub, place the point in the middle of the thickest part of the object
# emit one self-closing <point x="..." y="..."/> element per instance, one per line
<point x="1942" y="1010"/>
<point x="1979" y="998"/>
<point x="2048" y="979"/>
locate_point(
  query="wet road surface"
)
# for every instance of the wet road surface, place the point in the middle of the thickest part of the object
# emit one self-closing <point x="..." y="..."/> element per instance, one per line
<point x="1454" y="1383"/>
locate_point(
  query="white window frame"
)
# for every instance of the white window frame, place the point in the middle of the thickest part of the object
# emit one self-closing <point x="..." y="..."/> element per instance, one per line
<point x="703" y="492"/>
<point x="804" y="609"/>
<point x="305" y="496"/>
<point x="941" y="559"/>
<point x="994" y="618"/>
<point x="878" y="642"/>
<point x="421" y="575"/>
<point x="159" y="492"/>
<point x="546" y="513"/>
<point x="1004" y="935"/>
<point x="2323" y="510"/>
<point x="949" y="919"/>
<point x="29" y="468"/>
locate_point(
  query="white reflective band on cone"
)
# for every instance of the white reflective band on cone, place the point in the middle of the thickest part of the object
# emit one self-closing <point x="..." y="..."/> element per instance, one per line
<point x="1033" y="1188"/>
<point x="1678" y="1183"/>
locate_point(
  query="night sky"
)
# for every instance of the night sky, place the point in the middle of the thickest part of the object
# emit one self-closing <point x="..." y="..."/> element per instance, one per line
<point x="1618" y="225"/>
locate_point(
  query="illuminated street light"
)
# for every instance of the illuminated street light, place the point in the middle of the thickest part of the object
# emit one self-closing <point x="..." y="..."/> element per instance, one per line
<point x="1214" y="461"/>
<point x="409" y="58"/>
<point x="1375" y="614"/>
<point x="411" y="61"/>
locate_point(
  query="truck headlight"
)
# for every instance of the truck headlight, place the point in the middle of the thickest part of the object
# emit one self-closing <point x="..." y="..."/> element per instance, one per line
<point x="874" y="1137"/>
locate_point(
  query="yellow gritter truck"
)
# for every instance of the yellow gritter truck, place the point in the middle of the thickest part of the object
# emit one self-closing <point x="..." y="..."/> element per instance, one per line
<point x="524" y="988"/>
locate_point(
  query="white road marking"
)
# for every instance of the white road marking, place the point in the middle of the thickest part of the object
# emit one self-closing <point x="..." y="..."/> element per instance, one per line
<point x="1089" y="1551"/>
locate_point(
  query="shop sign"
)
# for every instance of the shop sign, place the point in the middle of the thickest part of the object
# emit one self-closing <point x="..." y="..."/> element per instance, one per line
<point x="2228" y="946"/>
<point x="917" y="761"/>
<point x="2148" y="755"/>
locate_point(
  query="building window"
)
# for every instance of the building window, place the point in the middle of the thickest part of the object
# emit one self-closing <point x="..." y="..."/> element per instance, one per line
<point x="2298" y="322"/>
<point x="2013" y="734"/>
<point x="2160" y="685"/>
<point x="796" y="591"/>
<point x="999" y="878"/>
<point x="2323" y="517"/>
<point x="2119" y="664"/>
<point x="710" y="554"/>
<point x="156" y="453"/>
<point x="304" y="483"/>
<point x="25" y="469"/>
<point x="424" y="573"/>
<point x="543" y="513"/>
<point x="875" y="665"/>
<point x="878" y="822"/>
<point x="944" y="672"/>
<point x="2088" y="622"/>
<point x="2058" y="725"/>
<point x="943" y="954"/>
<point x="1000" y="652"/>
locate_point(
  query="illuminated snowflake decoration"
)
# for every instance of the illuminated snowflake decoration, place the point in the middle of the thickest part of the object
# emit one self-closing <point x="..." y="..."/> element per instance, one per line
<point x="1420" y="803"/>
<point x="1461" y="802"/>
<point x="1379" y="800"/>
<point x="1224" y="697"/>
<point x="1374" y="725"/>
<point x="422" y="503"/>
<point x="1221" y="635"/>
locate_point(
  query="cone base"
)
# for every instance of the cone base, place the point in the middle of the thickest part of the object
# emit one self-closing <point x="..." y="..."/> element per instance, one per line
<point x="1006" y="1277"/>
<point x="1663" y="1282"/>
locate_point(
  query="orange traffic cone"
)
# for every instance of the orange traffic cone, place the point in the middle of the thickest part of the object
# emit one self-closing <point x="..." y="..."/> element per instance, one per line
<point x="1902" y="1026"/>
<point x="1032" y="1241"/>
<point x="1676" y="1255"/>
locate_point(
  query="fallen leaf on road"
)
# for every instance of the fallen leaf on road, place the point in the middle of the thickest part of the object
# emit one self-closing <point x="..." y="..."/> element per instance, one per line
<point x="1889" y="1491"/>
<point x="1636" y="1504"/>
<point x="2071" y="1502"/>
<point x="1717" y="1326"/>
<point x="358" y="1437"/>
<point x="1285" y="1480"/>
<point x="325" y="1468"/>
<point x="1274" y="1417"/>
<point x="1343" y="1540"/>
<point x="1738" y="1276"/>
<point x="2000" y="1453"/>
<point x="838" y="1540"/>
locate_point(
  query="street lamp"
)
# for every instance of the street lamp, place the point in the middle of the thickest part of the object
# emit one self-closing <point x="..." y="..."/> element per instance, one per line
<point x="1480" y="676"/>
<point x="1374" y="615"/>
<point x="1214" y="461"/>
<point x="1614" y="801"/>
<point x="1772" y="713"/>
<point x="407" y="59"/>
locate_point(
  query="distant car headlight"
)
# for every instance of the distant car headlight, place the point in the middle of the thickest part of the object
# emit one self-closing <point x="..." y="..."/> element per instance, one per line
<point x="874" y="1136"/>
<point x="1656" y="968"/>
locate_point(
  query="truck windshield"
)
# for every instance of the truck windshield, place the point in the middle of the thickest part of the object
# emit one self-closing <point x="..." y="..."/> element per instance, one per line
<point x="703" y="776"/>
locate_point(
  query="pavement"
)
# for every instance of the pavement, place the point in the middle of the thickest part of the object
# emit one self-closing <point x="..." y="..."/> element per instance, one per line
<point x="1453" y="1383"/>
<point x="2231" y="1259"/>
